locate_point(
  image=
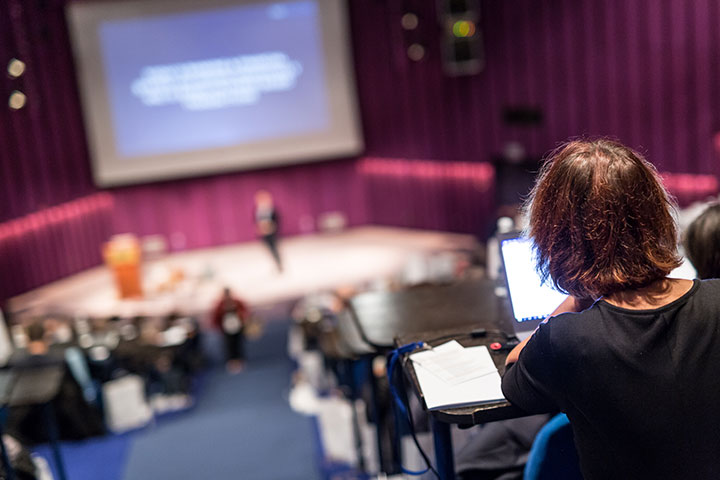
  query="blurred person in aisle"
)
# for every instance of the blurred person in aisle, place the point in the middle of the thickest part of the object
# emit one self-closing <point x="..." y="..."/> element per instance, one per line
<point x="230" y="316"/>
<point x="267" y="224"/>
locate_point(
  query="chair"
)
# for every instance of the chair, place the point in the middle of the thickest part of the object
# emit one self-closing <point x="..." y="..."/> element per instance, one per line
<point x="77" y="363"/>
<point x="553" y="455"/>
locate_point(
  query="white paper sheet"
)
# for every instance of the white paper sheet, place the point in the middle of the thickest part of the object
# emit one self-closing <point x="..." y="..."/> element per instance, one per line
<point x="441" y="394"/>
<point x="453" y="363"/>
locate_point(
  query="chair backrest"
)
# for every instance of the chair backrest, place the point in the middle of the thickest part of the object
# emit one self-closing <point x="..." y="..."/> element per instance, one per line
<point x="81" y="372"/>
<point x="553" y="455"/>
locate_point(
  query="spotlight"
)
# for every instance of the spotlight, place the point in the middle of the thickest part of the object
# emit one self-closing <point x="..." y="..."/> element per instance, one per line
<point x="416" y="52"/>
<point x="463" y="28"/>
<point x="461" y="41"/>
<point x="409" y="21"/>
<point x="15" y="67"/>
<point x="17" y="100"/>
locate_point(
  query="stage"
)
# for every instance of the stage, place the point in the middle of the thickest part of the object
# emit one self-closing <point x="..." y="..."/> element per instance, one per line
<point x="191" y="282"/>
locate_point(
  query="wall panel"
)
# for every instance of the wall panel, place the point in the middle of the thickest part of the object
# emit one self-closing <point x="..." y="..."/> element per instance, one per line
<point x="643" y="71"/>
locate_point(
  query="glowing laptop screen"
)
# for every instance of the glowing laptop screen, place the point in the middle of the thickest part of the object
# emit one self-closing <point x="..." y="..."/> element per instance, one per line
<point x="530" y="299"/>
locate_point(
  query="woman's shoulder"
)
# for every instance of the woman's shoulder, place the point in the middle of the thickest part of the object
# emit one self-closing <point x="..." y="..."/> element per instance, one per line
<point x="710" y="283"/>
<point x="708" y="291"/>
<point x="703" y="294"/>
<point x="571" y="326"/>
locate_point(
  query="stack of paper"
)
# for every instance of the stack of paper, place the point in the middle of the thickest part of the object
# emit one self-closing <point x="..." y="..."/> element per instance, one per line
<point x="451" y="375"/>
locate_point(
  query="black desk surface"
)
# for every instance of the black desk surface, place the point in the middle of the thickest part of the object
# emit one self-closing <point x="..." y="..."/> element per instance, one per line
<point x="384" y="316"/>
<point x="433" y="311"/>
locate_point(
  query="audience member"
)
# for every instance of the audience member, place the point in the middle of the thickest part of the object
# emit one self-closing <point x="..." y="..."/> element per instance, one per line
<point x="635" y="368"/>
<point x="189" y="355"/>
<point x="76" y="418"/>
<point x="230" y="316"/>
<point x="702" y="243"/>
<point x="36" y="346"/>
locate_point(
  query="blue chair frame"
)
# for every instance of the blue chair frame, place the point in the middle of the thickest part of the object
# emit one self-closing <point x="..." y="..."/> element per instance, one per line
<point x="553" y="455"/>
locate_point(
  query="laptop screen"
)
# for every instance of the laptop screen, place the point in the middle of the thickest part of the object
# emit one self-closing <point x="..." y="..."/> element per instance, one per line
<point x="529" y="298"/>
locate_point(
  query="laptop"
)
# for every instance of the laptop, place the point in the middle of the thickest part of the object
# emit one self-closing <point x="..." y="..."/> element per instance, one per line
<point x="531" y="301"/>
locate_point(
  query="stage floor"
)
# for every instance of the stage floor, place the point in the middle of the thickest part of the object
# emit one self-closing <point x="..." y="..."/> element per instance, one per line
<point x="312" y="263"/>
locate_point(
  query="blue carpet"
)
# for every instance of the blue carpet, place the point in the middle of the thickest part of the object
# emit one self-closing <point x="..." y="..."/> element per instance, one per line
<point x="98" y="458"/>
<point x="240" y="428"/>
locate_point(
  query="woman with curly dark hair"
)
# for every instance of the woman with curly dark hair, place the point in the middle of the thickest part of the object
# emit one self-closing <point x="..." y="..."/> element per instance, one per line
<point x="632" y="356"/>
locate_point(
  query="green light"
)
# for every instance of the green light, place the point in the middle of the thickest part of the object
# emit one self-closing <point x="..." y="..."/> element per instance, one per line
<point x="463" y="28"/>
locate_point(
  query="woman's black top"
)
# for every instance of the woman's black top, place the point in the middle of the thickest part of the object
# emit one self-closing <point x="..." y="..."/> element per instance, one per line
<point x="641" y="387"/>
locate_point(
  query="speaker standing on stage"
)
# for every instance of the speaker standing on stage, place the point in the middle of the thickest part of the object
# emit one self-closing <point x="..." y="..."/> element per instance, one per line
<point x="267" y="223"/>
<point x="230" y="316"/>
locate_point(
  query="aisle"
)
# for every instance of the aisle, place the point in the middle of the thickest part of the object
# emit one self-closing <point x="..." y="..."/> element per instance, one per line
<point x="241" y="428"/>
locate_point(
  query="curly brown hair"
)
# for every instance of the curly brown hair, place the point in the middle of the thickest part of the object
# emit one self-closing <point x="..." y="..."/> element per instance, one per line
<point x="601" y="220"/>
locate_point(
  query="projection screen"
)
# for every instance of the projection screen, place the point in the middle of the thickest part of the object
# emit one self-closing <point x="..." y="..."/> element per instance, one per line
<point x="193" y="87"/>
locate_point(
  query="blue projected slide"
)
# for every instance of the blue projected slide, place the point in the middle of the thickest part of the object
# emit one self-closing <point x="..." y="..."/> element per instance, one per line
<point x="215" y="78"/>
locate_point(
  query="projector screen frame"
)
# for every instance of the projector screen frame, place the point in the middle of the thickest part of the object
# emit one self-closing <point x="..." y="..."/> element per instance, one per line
<point x="342" y="139"/>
